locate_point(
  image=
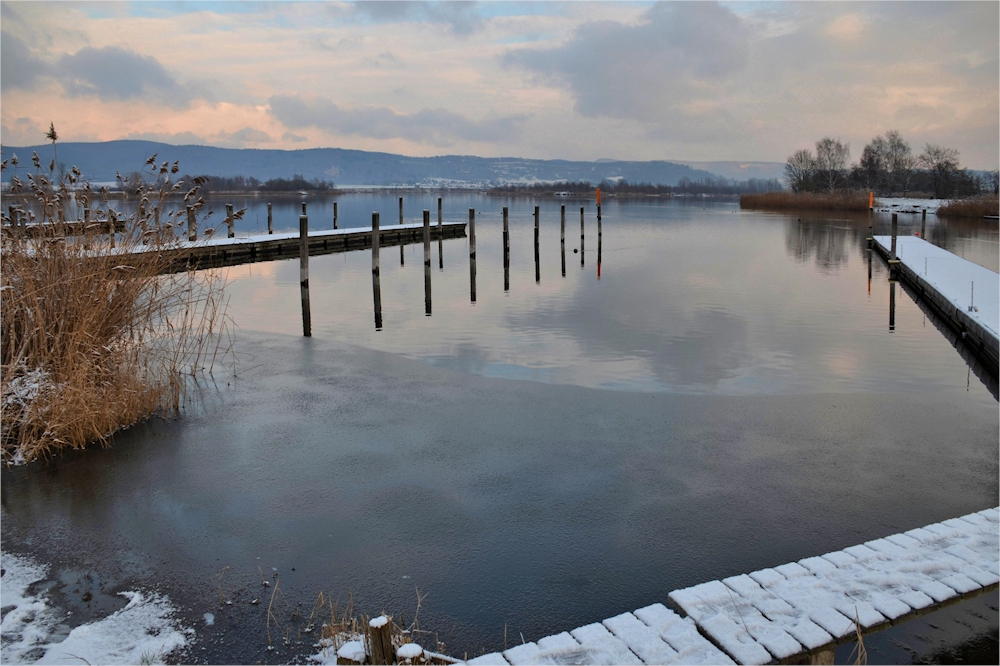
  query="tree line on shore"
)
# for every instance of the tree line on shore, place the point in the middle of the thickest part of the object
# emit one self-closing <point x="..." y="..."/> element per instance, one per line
<point x="296" y="183"/>
<point x="888" y="166"/>
<point x="714" y="186"/>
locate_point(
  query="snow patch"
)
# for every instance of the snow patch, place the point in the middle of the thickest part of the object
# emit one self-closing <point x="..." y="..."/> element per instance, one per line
<point x="145" y="629"/>
<point x="409" y="651"/>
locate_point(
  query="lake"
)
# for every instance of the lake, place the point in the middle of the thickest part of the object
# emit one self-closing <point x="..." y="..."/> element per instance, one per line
<point x="721" y="392"/>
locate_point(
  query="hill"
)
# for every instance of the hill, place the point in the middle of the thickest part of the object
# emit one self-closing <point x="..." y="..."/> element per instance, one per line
<point x="100" y="161"/>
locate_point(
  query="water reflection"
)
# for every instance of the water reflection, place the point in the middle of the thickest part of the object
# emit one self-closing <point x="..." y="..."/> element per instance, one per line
<point x="472" y="254"/>
<point x="376" y="277"/>
<point x="538" y="274"/>
<point x="581" y="237"/>
<point x="427" y="263"/>
<point x="562" y="237"/>
<point x="892" y="305"/>
<point x="702" y="300"/>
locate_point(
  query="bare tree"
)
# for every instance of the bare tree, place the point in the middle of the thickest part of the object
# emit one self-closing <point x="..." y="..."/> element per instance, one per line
<point x="832" y="157"/>
<point x="942" y="165"/>
<point x="900" y="161"/>
<point x="993" y="181"/>
<point x="800" y="170"/>
<point x="872" y="170"/>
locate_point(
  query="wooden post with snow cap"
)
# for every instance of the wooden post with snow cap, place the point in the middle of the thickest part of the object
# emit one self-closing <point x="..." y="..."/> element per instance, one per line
<point x="334" y="214"/>
<point x="376" y="280"/>
<point x="472" y="254"/>
<point x="270" y="222"/>
<point x="304" y="273"/>
<point x="410" y="653"/>
<point x="304" y="208"/>
<point x="378" y="635"/>
<point x="427" y="263"/>
<point x="230" y="222"/>
<point x="192" y="225"/>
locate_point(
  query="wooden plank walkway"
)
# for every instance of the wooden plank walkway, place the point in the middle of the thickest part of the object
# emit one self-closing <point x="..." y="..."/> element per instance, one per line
<point x="963" y="294"/>
<point x="793" y="613"/>
<point x="216" y="252"/>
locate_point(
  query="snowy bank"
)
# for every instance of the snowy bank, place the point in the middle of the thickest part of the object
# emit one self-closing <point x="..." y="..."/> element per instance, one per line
<point x="144" y="631"/>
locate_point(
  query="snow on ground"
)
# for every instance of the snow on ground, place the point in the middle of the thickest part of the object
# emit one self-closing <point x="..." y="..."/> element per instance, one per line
<point x="908" y="205"/>
<point x="144" y="631"/>
<point x="962" y="282"/>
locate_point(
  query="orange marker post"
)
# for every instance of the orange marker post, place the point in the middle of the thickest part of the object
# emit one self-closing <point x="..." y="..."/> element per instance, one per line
<point x="871" y="200"/>
<point x="598" y="196"/>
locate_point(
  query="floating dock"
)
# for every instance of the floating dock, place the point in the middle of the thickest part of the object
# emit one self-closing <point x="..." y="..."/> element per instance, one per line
<point x="793" y="613"/>
<point x="964" y="295"/>
<point x="216" y="252"/>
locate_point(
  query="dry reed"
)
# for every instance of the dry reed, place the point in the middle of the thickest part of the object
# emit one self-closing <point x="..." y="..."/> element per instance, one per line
<point x="96" y="337"/>
<point x="806" y="201"/>
<point x="977" y="207"/>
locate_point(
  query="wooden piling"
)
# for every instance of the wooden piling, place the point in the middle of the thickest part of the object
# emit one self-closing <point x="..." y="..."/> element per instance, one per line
<point x="303" y="207"/>
<point x="192" y="225"/>
<point x="304" y="273"/>
<point x="379" y="635"/>
<point x="334" y="214"/>
<point x="506" y="252"/>
<point x="472" y="254"/>
<point x="427" y="263"/>
<point x="562" y="236"/>
<point x="440" y="237"/>
<point x="270" y="223"/>
<point x="892" y="249"/>
<point x="538" y="274"/>
<point x="376" y="281"/>
<point x="923" y="224"/>
<point x="581" y="236"/>
<point x="400" y="210"/>
<point x="231" y="222"/>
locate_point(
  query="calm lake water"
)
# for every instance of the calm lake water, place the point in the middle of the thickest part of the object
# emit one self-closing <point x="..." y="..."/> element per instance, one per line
<point x="726" y="393"/>
<point x="693" y="296"/>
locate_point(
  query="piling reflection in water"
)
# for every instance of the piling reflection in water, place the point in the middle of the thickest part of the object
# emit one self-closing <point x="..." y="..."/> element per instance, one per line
<point x="538" y="274"/>
<point x="562" y="237"/>
<point x="581" y="236"/>
<point x="892" y="305"/>
<point x="427" y="263"/>
<point x="376" y="285"/>
<point x="472" y="254"/>
<point x="506" y="252"/>
<point x="440" y="238"/>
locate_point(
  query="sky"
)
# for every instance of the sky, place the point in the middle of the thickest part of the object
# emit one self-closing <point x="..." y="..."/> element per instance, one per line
<point x="698" y="81"/>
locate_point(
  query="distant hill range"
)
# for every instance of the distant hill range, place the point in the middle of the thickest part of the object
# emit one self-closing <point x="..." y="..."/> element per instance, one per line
<point x="100" y="161"/>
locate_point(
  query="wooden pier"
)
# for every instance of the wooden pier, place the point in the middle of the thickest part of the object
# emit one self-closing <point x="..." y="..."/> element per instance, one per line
<point x="792" y="613"/>
<point x="216" y="252"/>
<point x="964" y="295"/>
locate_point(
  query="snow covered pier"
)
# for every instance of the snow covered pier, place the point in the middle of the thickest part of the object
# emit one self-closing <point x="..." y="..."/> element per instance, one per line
<point x="215" y="252"/>
<point x="793" y="613"/>
<point x="963" y="294"/>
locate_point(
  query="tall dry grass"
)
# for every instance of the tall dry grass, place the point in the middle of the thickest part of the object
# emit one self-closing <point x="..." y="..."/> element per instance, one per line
<point x="806" y="201"/>
<point x="95" y="335"/>
<point x="977" y="207"/>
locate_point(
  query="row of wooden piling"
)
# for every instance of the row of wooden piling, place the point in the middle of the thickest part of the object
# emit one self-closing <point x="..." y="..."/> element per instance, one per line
<point x="376" y="261"/>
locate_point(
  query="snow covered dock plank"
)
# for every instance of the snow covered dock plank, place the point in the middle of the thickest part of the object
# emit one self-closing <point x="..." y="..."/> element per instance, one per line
<point x="791" y="611"/>
<point x="216" y="252"/>
<point x="951" y="285"/>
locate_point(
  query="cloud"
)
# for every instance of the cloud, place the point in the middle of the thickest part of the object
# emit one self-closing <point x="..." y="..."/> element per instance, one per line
<point x="119" y="74"/>
<point x="645" y="71"/>
<point x="242" y="137"/>
<point x="433" y="126"/>
<point x="19" y="68"/>
<point x="848" y="27"/>
<point x="295" y="138"/>
<point x="462" y="18"/>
